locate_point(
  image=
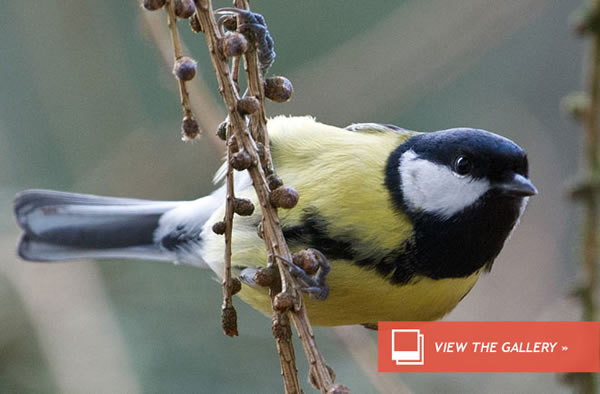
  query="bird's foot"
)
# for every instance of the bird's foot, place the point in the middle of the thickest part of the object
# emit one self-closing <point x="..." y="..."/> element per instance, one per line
<point x="310" y="267"/>
<point x="254" y="28"/>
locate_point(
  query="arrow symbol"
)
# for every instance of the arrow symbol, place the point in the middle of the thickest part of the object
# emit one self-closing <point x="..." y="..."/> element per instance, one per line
<point x="565" y="348"/>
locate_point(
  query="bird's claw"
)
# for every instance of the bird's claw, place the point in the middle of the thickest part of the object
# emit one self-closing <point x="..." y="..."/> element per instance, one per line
<point x="316" y="285"/>
<point x="318" y="293"/>
<point x="245" y="15"/>
<point x="254" y="28"/>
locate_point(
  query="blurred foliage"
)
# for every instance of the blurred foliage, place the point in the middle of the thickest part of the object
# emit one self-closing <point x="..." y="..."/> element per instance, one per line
<point x="87" y="105"/>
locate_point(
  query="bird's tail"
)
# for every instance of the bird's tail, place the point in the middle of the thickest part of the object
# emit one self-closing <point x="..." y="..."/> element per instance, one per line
<point x="66" y="226"/>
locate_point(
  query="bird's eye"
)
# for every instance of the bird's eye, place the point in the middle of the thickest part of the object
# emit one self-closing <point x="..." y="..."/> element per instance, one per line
<point x="462" y="165"/>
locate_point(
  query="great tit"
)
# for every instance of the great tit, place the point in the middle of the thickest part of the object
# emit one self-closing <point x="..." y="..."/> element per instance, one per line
<point x="407" y="220"/>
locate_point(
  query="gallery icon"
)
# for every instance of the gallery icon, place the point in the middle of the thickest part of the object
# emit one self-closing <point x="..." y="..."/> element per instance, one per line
<point x="408" y="347"/>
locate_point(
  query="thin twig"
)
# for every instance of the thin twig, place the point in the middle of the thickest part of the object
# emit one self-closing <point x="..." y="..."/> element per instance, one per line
<point x="273" y="236"/>
<point x="172" y="23"/>
<point x="281" y="327"/>
<point x="590" y="226"/>
<point x="201" y="99"/>
<point x="229" y="315"/>
<point x="256" y="88"/>
<point x="587" y="382"/>
<point x="587" y="190"/>
<point x="235" y="66"/>
<point x="282" y="331"/>
<point x="319" y="369"/>
<point x="364" y="351"/>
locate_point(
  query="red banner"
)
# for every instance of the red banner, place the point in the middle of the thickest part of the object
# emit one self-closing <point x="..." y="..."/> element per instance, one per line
<point x="489" y="346"/>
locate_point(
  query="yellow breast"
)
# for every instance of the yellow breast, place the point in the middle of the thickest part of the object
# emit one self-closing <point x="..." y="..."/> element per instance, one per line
<point x="359" y="296"/>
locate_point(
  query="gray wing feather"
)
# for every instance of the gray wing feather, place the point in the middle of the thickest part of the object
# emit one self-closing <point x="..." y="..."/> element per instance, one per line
<point x="375" y="128"/>
<point x="40" y="251"/>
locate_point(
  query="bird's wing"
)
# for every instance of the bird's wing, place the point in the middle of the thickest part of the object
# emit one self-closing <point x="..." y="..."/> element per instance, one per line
<point x="339" y="175"/>
<point x="303" y="132"/>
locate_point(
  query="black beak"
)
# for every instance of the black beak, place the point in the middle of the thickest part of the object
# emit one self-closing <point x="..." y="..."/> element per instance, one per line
<point x="519" y="186"/>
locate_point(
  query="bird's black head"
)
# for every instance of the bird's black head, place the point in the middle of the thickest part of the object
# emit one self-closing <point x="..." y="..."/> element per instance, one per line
<point x="446" y="172"/>
<point x="464" y="190"/>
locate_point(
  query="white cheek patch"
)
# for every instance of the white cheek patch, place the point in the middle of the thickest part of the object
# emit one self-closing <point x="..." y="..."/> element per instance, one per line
<point x="435" y="188"/>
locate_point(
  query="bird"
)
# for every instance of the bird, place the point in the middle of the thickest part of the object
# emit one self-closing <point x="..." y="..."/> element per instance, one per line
<point x="407" y="220"/>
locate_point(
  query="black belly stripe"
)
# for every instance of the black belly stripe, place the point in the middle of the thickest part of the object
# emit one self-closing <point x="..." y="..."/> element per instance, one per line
<point x="312" y="234"/>
<point x="399" y="266"/>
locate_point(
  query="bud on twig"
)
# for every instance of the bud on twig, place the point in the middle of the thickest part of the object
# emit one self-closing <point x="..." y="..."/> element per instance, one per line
<point x="222" y="130"/>
<point x="195" y="25"/>
<point x="185" y="68"/>
<point x="189" y="128"/>
<point x="236" y="286"/>
<point x="229" y="321"/>
<point x="243" y="206"/>
<point x="274" y="182"/>
<point x="267" y="277"/>
<point x="283" y="302"/>
<point x="219" y="228"/>
<point x="241" y="160"/>
<point x="234" y="44"/>
<point x="284" y="197"/>
<point x="153" y="5"/>
<point x="278" y="89"/>
<point x="307" y="260"/>
<point x="248" y="105"/>
<point x="184" y="8"/>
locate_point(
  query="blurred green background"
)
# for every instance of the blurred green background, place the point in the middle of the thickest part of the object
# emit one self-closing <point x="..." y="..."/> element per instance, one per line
<point x="88" y="104"/>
